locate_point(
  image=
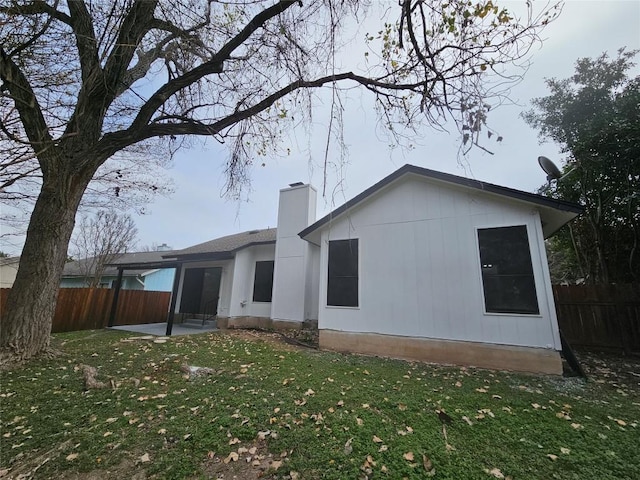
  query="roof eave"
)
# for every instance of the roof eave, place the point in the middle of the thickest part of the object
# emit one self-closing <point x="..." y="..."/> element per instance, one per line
<point x="530" y="198"/>
<point x="553" y="220"/>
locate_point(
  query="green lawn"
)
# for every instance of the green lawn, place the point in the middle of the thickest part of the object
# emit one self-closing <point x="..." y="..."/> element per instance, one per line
<point x="304" y="414"/>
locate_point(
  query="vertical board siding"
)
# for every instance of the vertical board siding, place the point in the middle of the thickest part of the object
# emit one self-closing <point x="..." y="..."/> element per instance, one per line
<point x="89" y="308"/>
<point x="420" y="267"/>
<point x="602" y="316"/>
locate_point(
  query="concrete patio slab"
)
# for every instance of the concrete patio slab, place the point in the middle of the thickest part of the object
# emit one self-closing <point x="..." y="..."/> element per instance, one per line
<point x="160" y="329"/>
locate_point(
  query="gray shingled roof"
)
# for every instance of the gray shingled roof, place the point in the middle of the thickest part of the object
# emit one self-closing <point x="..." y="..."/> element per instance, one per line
<point x="77" y="268"/>
<point x="9" y="260"/>
<point x="226" y="245"/>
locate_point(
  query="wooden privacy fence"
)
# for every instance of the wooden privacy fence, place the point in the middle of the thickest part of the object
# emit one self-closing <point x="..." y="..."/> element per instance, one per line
<point x="601" y="316"/>
<point x="89" y="308"/>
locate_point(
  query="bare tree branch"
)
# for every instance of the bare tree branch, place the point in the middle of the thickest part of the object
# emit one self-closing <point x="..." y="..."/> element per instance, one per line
<point x="82" y="25"/>
<point x="25" y="100"/>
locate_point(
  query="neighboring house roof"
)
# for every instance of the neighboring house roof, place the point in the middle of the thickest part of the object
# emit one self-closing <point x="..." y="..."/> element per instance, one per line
<point x="9" y="261"/>
<point x="222" y="248"/>
<point x="554" y="213"/>
<point x="78" y="268"/>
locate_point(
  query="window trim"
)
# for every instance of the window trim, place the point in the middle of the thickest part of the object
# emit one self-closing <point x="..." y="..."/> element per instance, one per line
<point x="359" y="295"/>
<point x="253" y="290"/>
<point x="481" y="279"/>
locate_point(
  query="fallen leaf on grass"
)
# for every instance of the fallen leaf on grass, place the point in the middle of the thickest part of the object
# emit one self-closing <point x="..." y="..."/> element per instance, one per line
<point x="233" y="457"/>
<point x="577" y="426"/>
<point x="377" y="439"/>
<point x="145" y="458"/>
<point x="566" y="451"/>
<point x="552" y="456"/>
<point x="347" y="447"/>
<point x="72" y="456"/>
<point x="494" y="472"/>
<point x="408" y="456"/>
<point x="369" y="462"/>
<point x="276" y="464"/>
<point x="234" y="440"/>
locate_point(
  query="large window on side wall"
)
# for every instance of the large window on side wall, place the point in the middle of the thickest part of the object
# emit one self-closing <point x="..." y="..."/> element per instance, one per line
<point x="507" y="272"/>
<point x="263" y="281"/>
<point x="342" y="283"/>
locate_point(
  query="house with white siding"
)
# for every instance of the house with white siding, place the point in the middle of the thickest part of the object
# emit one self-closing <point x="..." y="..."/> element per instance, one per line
<point x="422" y="265"/>
<point x="8" y="270"/>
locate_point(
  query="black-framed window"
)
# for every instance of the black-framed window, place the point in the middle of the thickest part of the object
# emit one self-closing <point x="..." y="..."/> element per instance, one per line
<point x="342" y="283"/>
<point x="263" y="281"/>
<point x="507" y="272"/>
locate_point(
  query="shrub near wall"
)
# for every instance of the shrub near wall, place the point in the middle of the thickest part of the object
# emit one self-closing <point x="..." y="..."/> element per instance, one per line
<point x="89" y="308"/>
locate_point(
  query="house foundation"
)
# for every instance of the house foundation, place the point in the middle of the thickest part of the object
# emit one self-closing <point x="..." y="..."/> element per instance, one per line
<point x="261" y="322"/>
<point x="472" y="354"/>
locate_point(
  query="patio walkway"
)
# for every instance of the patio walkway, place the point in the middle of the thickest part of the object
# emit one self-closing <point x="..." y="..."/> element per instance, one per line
<point x="160" y="329"/>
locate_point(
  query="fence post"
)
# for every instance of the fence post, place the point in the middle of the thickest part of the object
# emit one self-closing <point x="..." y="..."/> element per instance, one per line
<point x="174" y="299"/>
<point x="116" y="294"/>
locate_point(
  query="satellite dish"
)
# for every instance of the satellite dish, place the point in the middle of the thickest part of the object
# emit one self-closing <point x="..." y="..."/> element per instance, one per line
<point x="550" y="168"/>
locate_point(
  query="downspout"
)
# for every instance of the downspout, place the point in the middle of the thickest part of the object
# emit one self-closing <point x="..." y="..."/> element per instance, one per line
<point x="546" y="281"/>
<point x="174" y="299"/>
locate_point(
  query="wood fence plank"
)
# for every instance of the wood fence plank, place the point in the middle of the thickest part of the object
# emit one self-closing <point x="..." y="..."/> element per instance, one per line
<point x="601" y="316"/>
<point x="88" y="308"/>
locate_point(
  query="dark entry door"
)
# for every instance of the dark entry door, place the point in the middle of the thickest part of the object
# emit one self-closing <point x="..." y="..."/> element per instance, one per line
<point x="210" y="290"/>
<point x="201" y="290"/>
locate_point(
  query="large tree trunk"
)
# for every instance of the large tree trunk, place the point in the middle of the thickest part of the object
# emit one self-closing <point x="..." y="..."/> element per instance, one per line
<point x="26" y="326"/>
